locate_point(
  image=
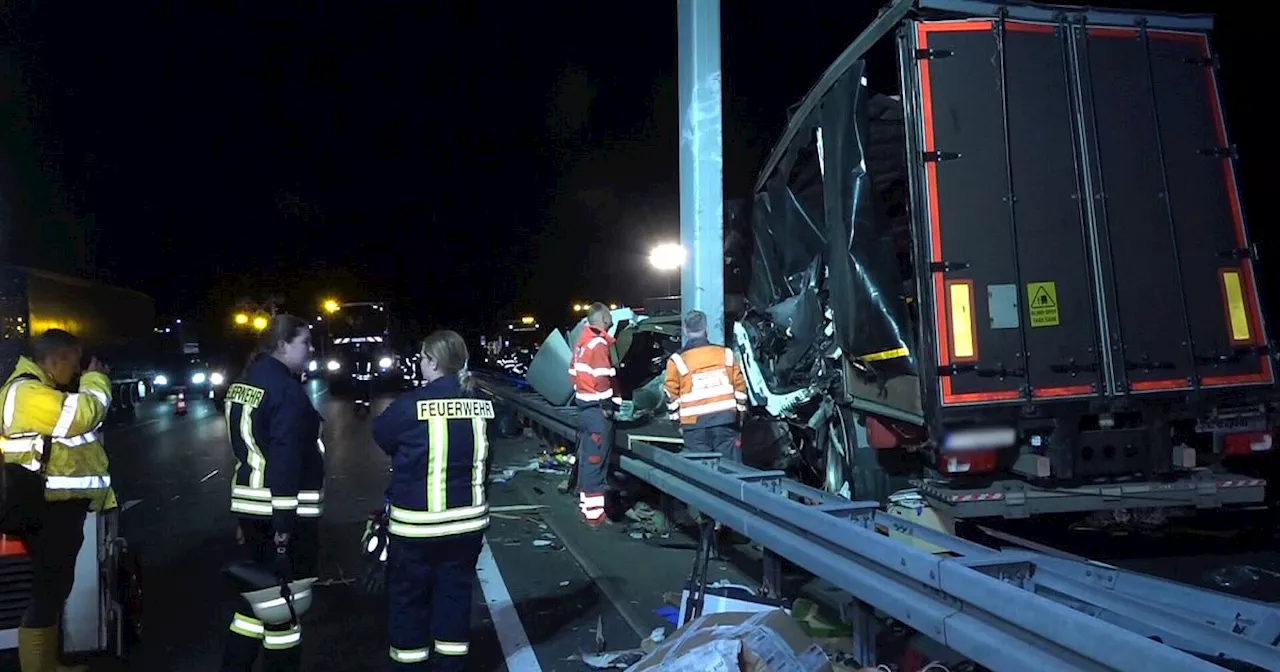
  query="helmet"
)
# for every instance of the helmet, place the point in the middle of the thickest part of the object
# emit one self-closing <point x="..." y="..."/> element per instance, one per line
<point x="270" y="606"/>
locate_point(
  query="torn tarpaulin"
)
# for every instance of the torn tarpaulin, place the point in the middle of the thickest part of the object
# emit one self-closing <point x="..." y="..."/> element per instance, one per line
<point x="831" y="258"/>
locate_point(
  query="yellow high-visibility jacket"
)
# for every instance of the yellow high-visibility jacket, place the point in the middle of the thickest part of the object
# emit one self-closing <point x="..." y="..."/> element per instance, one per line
<point x="62" y="429"/>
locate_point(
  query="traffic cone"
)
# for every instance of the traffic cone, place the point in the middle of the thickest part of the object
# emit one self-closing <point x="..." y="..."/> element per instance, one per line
<point x="182" y="404"/>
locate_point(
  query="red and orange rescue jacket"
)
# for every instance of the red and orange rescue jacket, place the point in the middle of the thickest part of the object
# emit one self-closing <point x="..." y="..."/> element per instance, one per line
<point x="705" y="386"/>
<point x="591" y="369"/>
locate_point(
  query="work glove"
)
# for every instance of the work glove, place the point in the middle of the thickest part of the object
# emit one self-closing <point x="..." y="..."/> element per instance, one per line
<point x="374" y="544"/>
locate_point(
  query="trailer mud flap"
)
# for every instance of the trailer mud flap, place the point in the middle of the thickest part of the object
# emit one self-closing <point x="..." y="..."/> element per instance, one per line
<point x="1181" y="298"/>
<point x="1014" y="303"/>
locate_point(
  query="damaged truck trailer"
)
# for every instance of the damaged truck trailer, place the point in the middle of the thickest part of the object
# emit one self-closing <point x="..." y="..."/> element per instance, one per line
<point x="1018" y="278"/>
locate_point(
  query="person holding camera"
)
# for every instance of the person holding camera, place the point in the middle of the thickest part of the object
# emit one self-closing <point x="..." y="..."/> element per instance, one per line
<point x="277" y="491"/>
<point x="55" y="472"/>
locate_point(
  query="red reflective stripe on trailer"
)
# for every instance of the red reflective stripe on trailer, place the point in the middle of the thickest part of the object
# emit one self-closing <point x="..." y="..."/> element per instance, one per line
<point x="1065" y="391"/>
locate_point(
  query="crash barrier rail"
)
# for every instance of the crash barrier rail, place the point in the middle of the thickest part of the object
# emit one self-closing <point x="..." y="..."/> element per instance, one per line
<point x="1005" y="610"/>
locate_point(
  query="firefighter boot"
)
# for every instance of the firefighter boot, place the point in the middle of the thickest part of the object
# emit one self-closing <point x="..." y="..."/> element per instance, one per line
<point x="38" y="651"/>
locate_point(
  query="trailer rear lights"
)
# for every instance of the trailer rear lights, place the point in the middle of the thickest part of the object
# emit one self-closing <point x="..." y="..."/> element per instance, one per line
<point x="1233" y="296"/>
<point x="960" y="297"/>
<point x="1247" y="443"/>
<point x="979" y="438"/>
<point x="972" y="462"/>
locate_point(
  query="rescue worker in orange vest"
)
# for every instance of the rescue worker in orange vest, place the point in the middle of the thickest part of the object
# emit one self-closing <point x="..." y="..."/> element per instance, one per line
<point x="706" y="392"/>
<point x="592" y="372"/>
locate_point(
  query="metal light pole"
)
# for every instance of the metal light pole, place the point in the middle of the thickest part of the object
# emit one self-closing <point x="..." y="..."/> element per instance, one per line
<point x="701" y="162"/>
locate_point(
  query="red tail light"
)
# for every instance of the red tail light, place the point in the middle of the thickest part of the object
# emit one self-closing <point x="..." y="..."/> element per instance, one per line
<point x="1247" y="443"/>
<point x="967" y="462"/>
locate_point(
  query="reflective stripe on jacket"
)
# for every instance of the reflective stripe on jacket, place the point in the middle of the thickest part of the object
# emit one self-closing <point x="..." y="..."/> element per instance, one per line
<point x="704" y="386"/>
<point x="591" y="368"/>
<point x="58" y="431"/>
<point x="437" y="437"/>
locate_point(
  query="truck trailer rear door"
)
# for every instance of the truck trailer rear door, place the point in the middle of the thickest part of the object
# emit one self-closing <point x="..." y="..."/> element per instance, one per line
<point x="1181" y="296"/>
<point x="1078" y="204"/>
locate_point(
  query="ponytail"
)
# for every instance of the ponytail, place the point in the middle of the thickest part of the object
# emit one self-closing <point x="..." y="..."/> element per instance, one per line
<point x="465" y="378"/>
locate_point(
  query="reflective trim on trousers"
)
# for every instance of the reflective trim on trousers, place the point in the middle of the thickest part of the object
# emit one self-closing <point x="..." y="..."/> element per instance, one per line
<point x="452" y="648"/>
<point x="409" y="655"/>
<point x="247" y="626"/>
<point x="591" y="506"/>
<point x="277" y="640"/>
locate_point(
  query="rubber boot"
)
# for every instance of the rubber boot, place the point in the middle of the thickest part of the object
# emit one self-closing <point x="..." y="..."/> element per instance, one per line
<point x="38" y="651"/>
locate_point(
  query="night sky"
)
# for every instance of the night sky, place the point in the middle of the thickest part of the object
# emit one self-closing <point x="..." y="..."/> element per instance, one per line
<point x="468" y="161"/>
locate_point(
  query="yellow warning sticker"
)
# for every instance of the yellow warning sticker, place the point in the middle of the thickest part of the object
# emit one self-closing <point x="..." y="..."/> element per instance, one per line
<point x="1042" y="302"/>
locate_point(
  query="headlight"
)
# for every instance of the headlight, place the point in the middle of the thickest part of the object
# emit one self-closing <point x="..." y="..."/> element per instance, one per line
<point x="160" y="380"/>
<point x="312" y="365"/>
<point x="386" y="362"/>
<point x="198" y="379"/>
<point x="333" y="365"/>
<point x="216" y="378"/>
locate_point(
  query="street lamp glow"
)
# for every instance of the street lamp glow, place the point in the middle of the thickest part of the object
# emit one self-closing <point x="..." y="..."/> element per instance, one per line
<point x="667" y="257"/>
<point x="259" y="323"/>
<point x="331" y="305"/>
<point x="241" y="318"/>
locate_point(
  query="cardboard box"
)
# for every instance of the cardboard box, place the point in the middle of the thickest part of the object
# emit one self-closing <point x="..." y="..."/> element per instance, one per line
<point x="767" y="641"/>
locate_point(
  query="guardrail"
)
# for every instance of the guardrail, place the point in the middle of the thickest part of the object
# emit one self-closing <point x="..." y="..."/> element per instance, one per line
<point x="1005" y="610"/>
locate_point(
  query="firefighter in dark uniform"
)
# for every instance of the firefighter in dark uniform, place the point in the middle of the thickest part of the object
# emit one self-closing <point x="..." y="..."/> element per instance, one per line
<point x="439" y="508"/>
<point x="278" y="489"/>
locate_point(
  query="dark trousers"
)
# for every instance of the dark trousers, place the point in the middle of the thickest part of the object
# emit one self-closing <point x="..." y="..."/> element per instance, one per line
<point x="429" y="586"/>
<point x="723" y="439"/>
<point x="53" y="548"/>
<point x="595" y="447"/>
<point x="279" y="644"/>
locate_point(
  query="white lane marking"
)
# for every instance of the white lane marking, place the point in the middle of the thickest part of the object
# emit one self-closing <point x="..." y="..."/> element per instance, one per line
<point x="502" y="611"/>
<point x="209" y="475"/>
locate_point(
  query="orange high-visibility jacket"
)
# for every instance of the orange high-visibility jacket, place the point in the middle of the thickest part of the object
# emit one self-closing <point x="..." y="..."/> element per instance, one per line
<point x="591" y="369"/>
<point x="704" y="386"/>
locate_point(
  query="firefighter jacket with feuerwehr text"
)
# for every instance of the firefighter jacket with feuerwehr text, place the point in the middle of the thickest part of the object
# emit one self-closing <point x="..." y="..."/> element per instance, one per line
<point x="704" y="386"/>
<point x="275" y="435"/>
<point x="591" y="370"/>
<point x="437" y="437"/>
<point x="47" y="429"/>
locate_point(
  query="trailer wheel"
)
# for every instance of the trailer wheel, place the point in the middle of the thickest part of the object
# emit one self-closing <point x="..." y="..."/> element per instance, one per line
<point x="852" y="468"/>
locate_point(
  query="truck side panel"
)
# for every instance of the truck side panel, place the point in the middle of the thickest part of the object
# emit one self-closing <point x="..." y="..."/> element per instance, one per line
<point x="1182" y="303"/>
<point x="1010" y="266"/>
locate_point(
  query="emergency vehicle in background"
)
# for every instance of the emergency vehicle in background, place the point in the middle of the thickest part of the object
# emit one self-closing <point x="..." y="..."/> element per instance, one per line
<point x="117" y="325"/>
<point x="1011" y="280"/>
<point x="360" y="348"/>
<point x="511" y="347"/>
